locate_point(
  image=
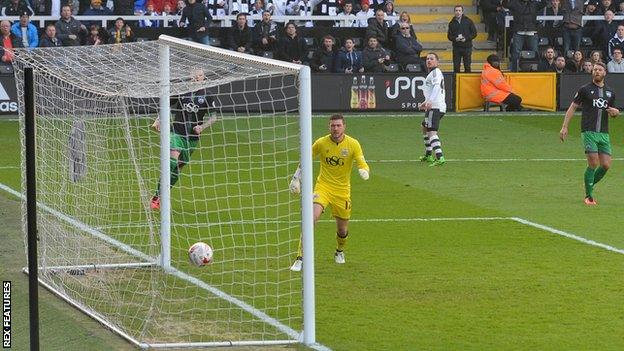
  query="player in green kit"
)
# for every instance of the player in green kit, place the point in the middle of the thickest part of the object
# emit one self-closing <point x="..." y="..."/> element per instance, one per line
<point x="597" y="101"/>
<point x="187" y="125"/>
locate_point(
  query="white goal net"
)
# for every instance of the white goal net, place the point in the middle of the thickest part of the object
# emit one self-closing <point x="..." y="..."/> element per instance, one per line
<point x="98" y="169"/>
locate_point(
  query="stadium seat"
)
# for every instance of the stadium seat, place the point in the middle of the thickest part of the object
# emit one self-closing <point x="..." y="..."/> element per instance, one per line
<point x="358" y="42"/>
<point x="543" y="41"/>
<point x="268" y="54"/>
<point x="310" y="55"/>
<point x="527" y="67"/>
<point x="569" y="54"/>
<point x="309" y="42"/>
<point x="6" y="70"/>
<point x="411" y="67"/>
<point x="528" y="61"/>
<point x="587" y="41"/>
<point x="559" y="41"/>
<point x="528" y="55"/>
<point x="488" y="104"/>
<point x="392" y="67"/>
<point x="139" y="39"/>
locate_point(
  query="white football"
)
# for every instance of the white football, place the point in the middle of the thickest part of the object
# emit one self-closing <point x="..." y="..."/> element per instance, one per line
<point x="200" y="254"/>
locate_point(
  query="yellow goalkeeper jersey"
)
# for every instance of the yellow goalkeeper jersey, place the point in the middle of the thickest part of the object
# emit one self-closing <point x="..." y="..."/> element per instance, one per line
<point x="336" y="163"/>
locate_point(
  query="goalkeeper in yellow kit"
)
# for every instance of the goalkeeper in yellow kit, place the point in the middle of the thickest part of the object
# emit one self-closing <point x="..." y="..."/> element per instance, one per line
<point x="336" y="152"/>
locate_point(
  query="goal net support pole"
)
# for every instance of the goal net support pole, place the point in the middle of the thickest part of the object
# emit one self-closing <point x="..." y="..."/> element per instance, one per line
<point x="165" y="136"/>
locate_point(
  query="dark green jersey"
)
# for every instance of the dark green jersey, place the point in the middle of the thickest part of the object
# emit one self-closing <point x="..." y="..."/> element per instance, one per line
<point x="189" y="111"/>
<point x="595" y="100"/>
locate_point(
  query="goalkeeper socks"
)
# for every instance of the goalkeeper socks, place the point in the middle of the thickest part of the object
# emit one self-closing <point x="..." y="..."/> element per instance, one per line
<point x="427" y="145"/>
<point x="436" y="146"/>
<point x="341" y="241"/>
<point x="600" y="172"/>
<point x="589" y="181"/>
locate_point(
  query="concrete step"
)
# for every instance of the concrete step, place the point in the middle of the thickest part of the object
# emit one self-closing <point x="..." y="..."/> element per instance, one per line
<point x="441" y="36"/>
<point x="406" y="3"/>
<point x="438" y="18"/>
<point x="436" y="9"/>
<point x="439" y="45"/>
<point x="478" y="56"/>
<point x="476" y="66"/>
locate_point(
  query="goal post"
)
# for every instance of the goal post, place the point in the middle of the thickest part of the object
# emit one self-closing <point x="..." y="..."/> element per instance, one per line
<point x="105" y="251"/>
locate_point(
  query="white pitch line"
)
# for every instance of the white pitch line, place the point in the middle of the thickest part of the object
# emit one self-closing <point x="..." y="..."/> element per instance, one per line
<point x="495" y="160"/>
<point x="567" y="235"/>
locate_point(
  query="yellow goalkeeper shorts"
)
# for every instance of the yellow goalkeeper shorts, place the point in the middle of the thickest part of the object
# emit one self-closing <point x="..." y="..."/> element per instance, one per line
<point x="340" y="205"/>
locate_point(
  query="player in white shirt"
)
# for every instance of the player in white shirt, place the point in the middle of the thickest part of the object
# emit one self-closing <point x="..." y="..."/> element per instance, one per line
<point x="435" y="108"/>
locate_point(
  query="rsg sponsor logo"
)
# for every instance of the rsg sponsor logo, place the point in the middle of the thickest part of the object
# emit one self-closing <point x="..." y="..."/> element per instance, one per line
<point x="394" y="88"/>
<point x="6" y="105"/>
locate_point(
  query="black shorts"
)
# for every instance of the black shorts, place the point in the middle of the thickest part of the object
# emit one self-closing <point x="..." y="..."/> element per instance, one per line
<point x="432" y="119"/>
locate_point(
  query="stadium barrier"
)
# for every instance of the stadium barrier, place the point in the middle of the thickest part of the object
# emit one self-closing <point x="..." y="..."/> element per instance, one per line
<point x="395" y="92"/>
<point x="538" y="90"/>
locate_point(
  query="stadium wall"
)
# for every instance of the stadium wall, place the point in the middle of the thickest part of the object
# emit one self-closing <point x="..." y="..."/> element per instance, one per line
<point x="392" y="92"/>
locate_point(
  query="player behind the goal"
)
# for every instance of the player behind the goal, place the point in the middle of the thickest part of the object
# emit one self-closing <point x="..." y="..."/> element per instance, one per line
<point x="188" y="123"/>
<point x="336" y="152"/>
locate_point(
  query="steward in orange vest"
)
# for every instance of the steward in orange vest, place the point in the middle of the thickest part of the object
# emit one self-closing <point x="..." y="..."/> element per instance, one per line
<point x="494" y="88"/>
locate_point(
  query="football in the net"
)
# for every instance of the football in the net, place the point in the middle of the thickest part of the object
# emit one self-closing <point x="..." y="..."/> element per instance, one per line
<point x="200" y="254"/>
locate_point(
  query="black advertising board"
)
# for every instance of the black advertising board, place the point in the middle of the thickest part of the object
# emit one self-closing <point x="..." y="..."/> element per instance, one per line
<point x="373" y="92"/>
<point x="570" y="83"/>
<point x="8" y="95"/>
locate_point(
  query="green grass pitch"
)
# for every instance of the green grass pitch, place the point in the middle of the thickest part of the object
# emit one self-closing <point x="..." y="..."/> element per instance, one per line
<point x="467" y="256"/>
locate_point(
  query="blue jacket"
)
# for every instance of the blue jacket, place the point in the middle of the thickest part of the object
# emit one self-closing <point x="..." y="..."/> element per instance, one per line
<point x="31" y="32"/>
<point x="346" y="60"/>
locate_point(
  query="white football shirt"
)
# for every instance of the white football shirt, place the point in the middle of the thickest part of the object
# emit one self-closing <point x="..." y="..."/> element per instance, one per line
<point x="435" y="79"/>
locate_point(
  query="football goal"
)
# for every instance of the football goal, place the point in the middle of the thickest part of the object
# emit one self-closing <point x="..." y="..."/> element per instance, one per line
<point x="143" y="149"/>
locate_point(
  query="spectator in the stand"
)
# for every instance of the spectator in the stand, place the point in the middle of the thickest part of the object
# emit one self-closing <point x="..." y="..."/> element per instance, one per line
<point x="547" y="63"/>
<point x="123" y="7"/>
<point x="16" y="8"/>
<point x="374" y="56"/>
<point x="239" y="38"/>
<point x="494" y="88"/>
<point x="150" y="23"/>
<point x="617" y="41"/>
<point x="120" y="33"/>
<point x="620" y="10"/>
<point x="349" y="60"/>
<point x="257" y="10"/>
<point x="8" y="42"/>
<point x="396" y="29"/>
<point x="553" y="28"/>
<point x="49" y="39"/>
<point x="68" y="29"/>
<point x="489" y="9"/>
<point x="216" y="7"/>
<point x="461" y="32"/>
<point x="44" y="7"/>
<point x="240" y="6"/>
<point x="325" y="57"/>
<point x="364" y="14"/>
<point x="265" y="34"/>
<point x="301" y="8"/>
<point x="596" y="56"/>
<point x="168" y="11"/>
<point x="616" y="65"/>
<point x="575" y="64"/>
<point x="407" y="50"/>
<point x="26" y="31"/>
<point x="378" y="28"/>
<point x="198" y="19"/>
<point x="605" y="30"/>
<point x="326" y="8"/>
<point x="95" y="36"/>
<point x="346" y="17"/>
<point x="291" y="47"/>
<point x="277" y="8"/>
<point x="604" y="6"/>
<point x="159" y="5"/>
<point x="524" y="27"/>
<point x="572" y="11"/>
<point x="589" y="27"/>
<point x="377" y="4"/>
<point x="139" y="6"/>
<point x="587" y="67"/>
<point x="389" y="10"/>
<point x="560" y="65"/>
<point x="96" y="9"/>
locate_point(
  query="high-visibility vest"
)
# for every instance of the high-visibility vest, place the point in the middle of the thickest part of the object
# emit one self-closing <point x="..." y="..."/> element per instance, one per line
<point x="494" y="88"/>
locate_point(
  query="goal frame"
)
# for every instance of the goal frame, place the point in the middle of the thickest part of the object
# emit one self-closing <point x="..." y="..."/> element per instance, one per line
<point x="308" y="335"/>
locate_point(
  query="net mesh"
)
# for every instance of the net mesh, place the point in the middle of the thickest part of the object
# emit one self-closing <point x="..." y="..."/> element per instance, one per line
<point x="97" y="166"/>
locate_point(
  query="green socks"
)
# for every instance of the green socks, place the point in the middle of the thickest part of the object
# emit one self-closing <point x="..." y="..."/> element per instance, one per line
<point x="600" y="172"/>
<point x="174" y="174"/>
<point x="589" y="181"/>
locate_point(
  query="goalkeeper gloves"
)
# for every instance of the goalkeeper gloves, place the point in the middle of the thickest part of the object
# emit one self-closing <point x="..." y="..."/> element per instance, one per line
<point x="363" y="173"/>
<point x="295" y="182"/>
